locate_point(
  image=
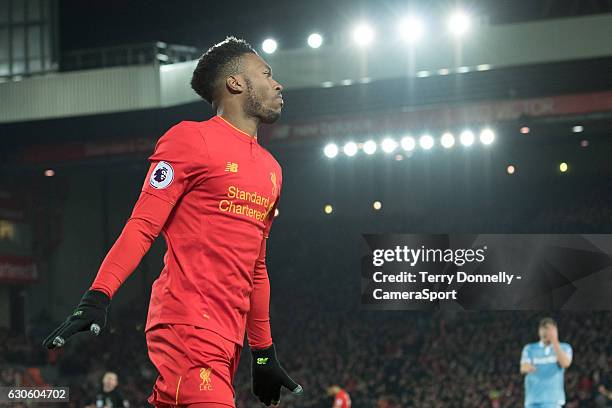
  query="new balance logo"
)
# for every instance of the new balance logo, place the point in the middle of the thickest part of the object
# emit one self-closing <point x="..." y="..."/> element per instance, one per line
<point x="231" y="167"/>
<point x="262" y="360"/>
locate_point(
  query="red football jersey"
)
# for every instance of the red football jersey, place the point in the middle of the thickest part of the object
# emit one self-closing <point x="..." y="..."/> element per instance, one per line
<point x="342" y="400"/>
<point x="224" y="187"/>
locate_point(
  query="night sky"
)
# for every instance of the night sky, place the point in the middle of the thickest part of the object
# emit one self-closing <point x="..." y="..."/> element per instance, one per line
<point x="201" y="23"/>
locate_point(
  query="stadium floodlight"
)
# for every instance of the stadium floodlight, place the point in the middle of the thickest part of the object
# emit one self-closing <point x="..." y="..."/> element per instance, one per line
<point x="49" y="173"/>
<point x="411" y="29"/>
<point x="377" y="205"/>
<point x="331" y="150"/>
<point x="328" y="209"/>
<point x="389" y="145"/>
<point x="458" y="23"/>
<point x="408" y="143"/>
<point x="467" y="138"/>
<point x="276" y="212"/>
<point x="447" y="140"/>
<point x="269" y="46"/>
<point x="350" y="149"/>
<point x="426" y="142"/>
<point x="510" y="169"/>
<point x="422" y="74"/>
<point x="563" y="167"/>
<point x="369" y="147"/>
<point x="584" y="143"/>
<point x="577" y="129"/>
<point x="525" y="130"/>
<point x="483" y="67"/>
<point x="315" y="40"/>
<point x="463" y="69"/>
<point x="443" y="71"/>
<point x="363" y="35"/>
<point x="487" y="136"/>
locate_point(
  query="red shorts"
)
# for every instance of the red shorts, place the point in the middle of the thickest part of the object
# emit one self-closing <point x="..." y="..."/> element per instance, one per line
<point x="195" y="365"/>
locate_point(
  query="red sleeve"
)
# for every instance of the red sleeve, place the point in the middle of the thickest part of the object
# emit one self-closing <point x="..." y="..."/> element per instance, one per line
<point x="178" y="162"/>
<point x="258" y="323"/>
<point x="143" y="226"/>
<point x="176" y="165"/>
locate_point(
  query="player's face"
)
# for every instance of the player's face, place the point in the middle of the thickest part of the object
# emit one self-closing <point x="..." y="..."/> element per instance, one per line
<point x="544" y="333"/>
<point x="263" y="97"/>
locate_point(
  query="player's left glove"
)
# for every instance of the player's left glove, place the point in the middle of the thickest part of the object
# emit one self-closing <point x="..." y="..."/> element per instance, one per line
<point x="269" y="376"/>
<point x="90" y="315"/>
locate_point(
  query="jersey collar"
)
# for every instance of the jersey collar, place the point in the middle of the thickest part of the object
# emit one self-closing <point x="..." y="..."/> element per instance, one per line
<point x="241" y="133"/>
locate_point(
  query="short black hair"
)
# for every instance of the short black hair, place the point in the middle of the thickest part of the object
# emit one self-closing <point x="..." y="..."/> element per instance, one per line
<point x="218" y="62"/>
<point x="547" y="320"/>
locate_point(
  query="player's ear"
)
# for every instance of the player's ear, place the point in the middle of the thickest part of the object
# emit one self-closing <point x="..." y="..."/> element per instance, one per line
<point x="235" y="84"/>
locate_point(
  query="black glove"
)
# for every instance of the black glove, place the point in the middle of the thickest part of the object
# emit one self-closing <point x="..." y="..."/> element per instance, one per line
<point x="269" y="376"/>
<point x="89" y="315"/>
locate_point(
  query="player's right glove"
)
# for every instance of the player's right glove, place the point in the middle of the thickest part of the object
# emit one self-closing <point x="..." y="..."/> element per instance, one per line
<point x="89" y="315"/>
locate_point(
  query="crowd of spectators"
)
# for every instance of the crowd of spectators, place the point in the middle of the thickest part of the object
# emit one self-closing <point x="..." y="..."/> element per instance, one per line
<point x="437" y="359"/>
<point x="423" y="359"/>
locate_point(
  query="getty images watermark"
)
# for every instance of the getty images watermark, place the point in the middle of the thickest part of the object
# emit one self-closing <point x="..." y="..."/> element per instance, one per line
<point x="486" y="272"/>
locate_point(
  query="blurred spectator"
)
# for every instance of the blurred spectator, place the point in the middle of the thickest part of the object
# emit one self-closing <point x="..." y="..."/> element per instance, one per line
<point x="109" y="396"/>
<point x="388" y="401"/>
<point x="341" y="398"/>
